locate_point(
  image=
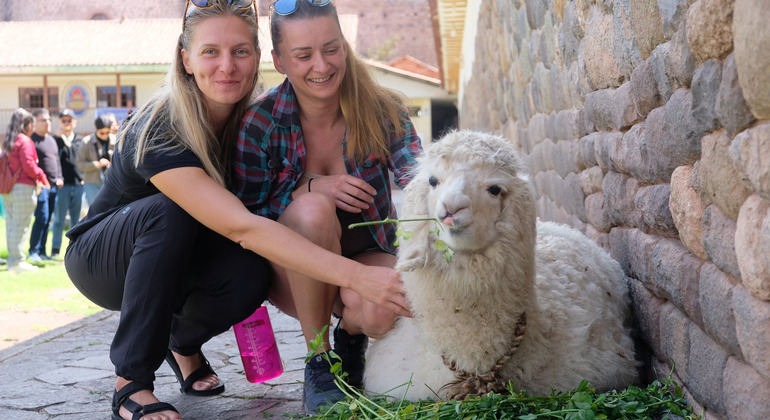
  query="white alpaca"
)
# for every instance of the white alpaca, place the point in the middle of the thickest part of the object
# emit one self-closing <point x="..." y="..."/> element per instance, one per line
<point x="532" y="302"/>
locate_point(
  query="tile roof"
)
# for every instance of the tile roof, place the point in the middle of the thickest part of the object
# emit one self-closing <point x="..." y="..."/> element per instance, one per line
<point x="98" y="43"/>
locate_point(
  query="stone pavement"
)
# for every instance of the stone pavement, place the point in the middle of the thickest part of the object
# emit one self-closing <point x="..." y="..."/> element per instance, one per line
<point x="66" y="374"/>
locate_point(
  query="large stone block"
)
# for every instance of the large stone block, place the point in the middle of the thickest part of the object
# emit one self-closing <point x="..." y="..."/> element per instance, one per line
<point x="676" y="273"/>
<point x="635" y="153"/>
<point x="647" y="25"/>
<point x="607" y="149"/>
<point x="705" y="370"/>
<point x="716" y="301"/>
<point x="684" y="134"/>
<point x="625" y="49"/>
<point x="751" y="35"/>
<point x="565" y="125"/>
<point x="541" y="89"/>
<point x="563" y="158"/>
<point x="721" y="182"/>
<point x="719" y="240"/>
<point x="687" y="211"/>
<point x="633" y="248"/>
<point x="709" y="29"/>
<point x="560" y="90"/>
<point x="731" y="107"/>
<point x="681" y="63"/>
<point x="652" y="201"/>
<point x="672" y="12"/>
<point x="746" y="393"/>
<point x="705" y="88"/>
<point x="644" y="89"/>
<point x="596" y="213"/>
<point x="591" y="180"/>
<point x="645" y="308"/>
<point x="752" y="316"/>
<point x="570" y="34"/>
<point x="611" y="109"/>
<point x="669" y="150"/>
<point x="619" y="191"/>
<point x="675" y="339"/>
<point x="752" y="246"/>
<point x="602" y="67"/>
<point x="658" y="60"/>
<point x="548" y="41"/>
<point x="572" y="197"/>
<point x="588" y="149"/>
<point x="536" y="12"/>
<point x="749" y="152"/>
<point x="536" y="128"/>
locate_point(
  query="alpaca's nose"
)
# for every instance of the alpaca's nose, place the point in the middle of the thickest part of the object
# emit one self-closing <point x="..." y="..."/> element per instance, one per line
<point x="456" y="204"/>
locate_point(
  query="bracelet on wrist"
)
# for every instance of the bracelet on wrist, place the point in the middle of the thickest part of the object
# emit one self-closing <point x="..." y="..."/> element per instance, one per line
<point x="308" y="184"/>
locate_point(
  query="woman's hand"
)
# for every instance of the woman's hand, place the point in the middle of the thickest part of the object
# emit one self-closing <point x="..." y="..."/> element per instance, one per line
<point x="382" y="286"/>
<point x="348" y="192"/>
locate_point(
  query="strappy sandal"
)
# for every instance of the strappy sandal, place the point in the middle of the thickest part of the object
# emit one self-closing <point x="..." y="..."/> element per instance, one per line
<point x="120" y="398"/>
<point x="201" y="372"/>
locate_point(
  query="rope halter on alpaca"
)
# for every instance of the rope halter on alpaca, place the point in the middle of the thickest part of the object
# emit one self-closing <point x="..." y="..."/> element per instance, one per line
<point x="474" y="384"/>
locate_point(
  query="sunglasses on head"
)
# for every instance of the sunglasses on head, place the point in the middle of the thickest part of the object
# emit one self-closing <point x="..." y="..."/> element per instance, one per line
<point x="205" y="4"/>
<point x="287" y="7"/>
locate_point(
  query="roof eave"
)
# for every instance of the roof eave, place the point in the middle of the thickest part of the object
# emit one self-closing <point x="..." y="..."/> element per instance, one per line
<point x="90" y="69"/>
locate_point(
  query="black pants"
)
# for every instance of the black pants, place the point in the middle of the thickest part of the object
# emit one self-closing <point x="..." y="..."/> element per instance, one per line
<point x="176" y="283"/>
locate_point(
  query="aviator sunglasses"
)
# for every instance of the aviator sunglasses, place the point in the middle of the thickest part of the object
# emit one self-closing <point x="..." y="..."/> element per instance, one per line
<point x="205" y="4"/>
<point x="287" y="7"/>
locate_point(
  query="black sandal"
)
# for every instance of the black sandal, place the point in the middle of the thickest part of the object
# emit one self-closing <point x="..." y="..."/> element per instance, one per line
<point x="120" y="398"/>
<point x="199" y="373"/>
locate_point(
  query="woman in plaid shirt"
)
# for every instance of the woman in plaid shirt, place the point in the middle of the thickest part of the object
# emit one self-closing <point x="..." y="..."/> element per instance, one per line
<point x="314" y="154"/>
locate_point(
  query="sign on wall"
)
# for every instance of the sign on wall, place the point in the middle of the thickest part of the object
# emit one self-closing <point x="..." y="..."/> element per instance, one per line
<point x="76" y="98"/>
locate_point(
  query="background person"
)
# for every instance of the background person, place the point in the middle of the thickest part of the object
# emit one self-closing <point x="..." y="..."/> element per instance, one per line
<point x="48" y="160"/>
<point x="95" y="156"/>
<point x="314" y="154"/>
<point x="181" y="268"/>
<point x="69" y="198"/>
<point x="20" y="203"/>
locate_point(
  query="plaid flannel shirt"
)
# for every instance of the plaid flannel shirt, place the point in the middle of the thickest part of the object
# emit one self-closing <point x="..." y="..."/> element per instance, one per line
<point x="270" y="158"/>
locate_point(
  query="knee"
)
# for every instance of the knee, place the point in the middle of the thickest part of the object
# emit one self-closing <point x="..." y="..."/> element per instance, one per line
<point x="167" y="215"/>
<point x="313" y="216"/>
<point x="378" y="321"/>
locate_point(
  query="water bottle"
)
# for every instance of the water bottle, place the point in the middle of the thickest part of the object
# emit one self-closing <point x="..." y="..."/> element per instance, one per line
<point x="259" y="351"/>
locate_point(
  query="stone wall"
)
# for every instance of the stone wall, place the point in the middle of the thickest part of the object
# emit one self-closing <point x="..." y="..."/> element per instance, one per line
<point x="647" y="126"/>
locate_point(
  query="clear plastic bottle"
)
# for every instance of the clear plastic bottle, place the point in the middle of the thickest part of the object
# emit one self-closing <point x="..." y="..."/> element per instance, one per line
<point x="259" y="351"/>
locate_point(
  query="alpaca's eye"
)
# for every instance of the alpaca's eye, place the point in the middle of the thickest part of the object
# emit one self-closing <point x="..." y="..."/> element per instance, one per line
<point x="433" y="181"/>
<point x="495" y="190"/>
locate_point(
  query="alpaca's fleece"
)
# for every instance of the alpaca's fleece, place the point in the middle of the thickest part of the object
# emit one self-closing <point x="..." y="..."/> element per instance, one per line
<point x="505" y="264"/>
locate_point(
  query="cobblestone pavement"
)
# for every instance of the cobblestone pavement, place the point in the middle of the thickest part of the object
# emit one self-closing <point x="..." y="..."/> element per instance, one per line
<point x="66" y="374"/>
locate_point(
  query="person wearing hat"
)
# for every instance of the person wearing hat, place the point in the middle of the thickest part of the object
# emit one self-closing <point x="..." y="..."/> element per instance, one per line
<point x="94" y="157"/>
<point x="70" y="195"/>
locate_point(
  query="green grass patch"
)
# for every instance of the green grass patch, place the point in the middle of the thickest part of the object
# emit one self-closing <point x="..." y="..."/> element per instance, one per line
<point x="48" y="288"/>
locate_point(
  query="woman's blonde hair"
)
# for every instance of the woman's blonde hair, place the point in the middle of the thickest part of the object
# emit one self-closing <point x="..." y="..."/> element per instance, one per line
<point x="371" y="111"/>
<point x="177" y="116"/>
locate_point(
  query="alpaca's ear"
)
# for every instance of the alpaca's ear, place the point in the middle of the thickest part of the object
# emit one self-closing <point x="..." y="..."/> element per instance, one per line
<point x="519" y="210"/>
<point x="415" y="202"/>
<point x="413" y="252"/>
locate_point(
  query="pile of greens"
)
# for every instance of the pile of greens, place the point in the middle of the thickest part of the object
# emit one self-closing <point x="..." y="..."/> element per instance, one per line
<point x="660" y="399"/>
<point x="582" y="403"/>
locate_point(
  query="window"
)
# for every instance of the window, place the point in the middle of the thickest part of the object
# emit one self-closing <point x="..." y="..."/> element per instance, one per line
<point x="32" y="98"/>
<point x="106" y="97"/>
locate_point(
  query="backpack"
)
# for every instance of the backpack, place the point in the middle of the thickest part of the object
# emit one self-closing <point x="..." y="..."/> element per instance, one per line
<point x="7" y="177"/>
